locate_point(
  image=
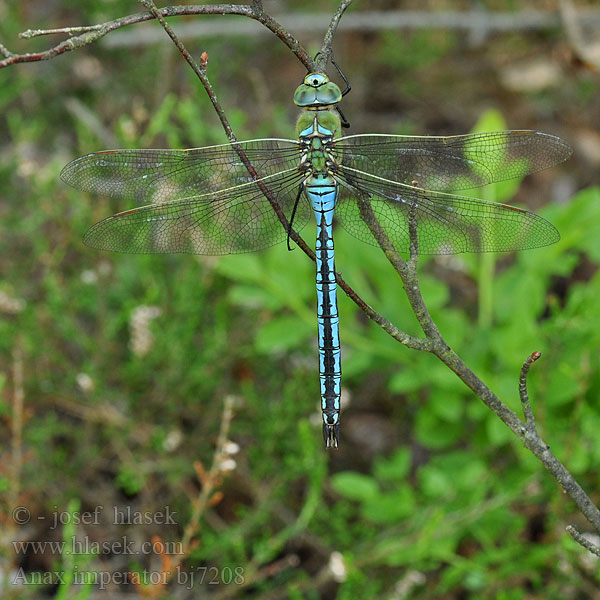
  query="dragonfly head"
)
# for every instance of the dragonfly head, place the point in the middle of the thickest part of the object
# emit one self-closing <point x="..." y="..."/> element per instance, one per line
<point x="317" y="91"/>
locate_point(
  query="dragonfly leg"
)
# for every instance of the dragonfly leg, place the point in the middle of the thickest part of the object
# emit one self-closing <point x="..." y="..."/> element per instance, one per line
<point x="289" y="231"/>
<point x="348" y="88"/>
<point x="344" y="122"/>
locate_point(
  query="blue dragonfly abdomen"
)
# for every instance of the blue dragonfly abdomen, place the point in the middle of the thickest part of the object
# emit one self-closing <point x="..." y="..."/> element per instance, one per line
<point x="322" y="192"/>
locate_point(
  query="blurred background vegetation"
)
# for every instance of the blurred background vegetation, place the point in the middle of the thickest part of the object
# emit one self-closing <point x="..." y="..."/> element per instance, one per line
<point x="123" y="362"/>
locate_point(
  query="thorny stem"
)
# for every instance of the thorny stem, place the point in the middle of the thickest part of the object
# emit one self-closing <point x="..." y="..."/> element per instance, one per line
<point x="433" y="341"/>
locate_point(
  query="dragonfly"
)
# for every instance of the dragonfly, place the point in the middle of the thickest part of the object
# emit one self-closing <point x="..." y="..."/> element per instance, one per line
<point x="248" y="195"/>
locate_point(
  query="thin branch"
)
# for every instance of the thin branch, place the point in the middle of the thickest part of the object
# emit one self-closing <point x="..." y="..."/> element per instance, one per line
<point x="71" y="44"/>
<point x="532" y="441"/>
<point x="582" y="540"/>
<point x="529" y="418"/>
<point x="413" y="235"/>
<point x="198" y="70"/>
<point x="325" y="52"/>
<point x="93" y="33"/>
<point x="70" y="31"/>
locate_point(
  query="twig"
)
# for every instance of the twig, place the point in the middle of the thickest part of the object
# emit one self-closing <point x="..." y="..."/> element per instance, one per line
<point x="582" y="540"/>
<point x="70" y="31"/>
<point x="325" y="52"/>
<point x="478" y="24"/>
<point x="529" y="418"/>
<point x="198" y="70"/>
<point x="93" y="33"/>
<point x="71" y="44"/>
<point x="413" y="235"/>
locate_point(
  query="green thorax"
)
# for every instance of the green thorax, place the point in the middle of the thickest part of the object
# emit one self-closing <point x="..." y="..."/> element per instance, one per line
<point x="327" y="120"/>
<point x="317" y="130"/>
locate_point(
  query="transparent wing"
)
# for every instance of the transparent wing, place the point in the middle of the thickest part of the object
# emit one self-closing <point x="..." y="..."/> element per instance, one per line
<point x="236" y="220"/>
<point x="157" y="176"/>
<point x="446" y="223"/>
<point x="452" y="163"/>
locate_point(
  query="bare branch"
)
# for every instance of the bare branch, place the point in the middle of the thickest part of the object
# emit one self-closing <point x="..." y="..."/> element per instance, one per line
<point x="325" y="52"/>
<point x="529" y="418"/>
<point x="31" y="33"/>
<point x="71" y="44"/>
<point x="93" y="33"/>
<point x="582" y="540"/>
<point x="413" y="234"/>
<point x="198" y="70"/>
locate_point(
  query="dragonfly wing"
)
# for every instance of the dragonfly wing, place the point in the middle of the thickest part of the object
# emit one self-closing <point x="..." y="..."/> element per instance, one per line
<point x="446" y="223"/>
<point x="456" y="162"/>
<point x="240" y="219"/>
<point x="158" y="176"/>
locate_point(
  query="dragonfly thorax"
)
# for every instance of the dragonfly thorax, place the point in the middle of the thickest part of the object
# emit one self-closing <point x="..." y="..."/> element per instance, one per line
<point x="316" y="132"/>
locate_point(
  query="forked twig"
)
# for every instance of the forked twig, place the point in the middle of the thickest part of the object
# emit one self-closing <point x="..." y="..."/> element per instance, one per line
<point x="93" y="33"/>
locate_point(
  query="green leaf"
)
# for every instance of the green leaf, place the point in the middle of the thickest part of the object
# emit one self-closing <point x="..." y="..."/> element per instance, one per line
<point x="394" y="468"/>
<point x="433" y="432"/>
<point x="282" y="333"/>
<point x="390" y="507"/>
<point x="354" y="486"/>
